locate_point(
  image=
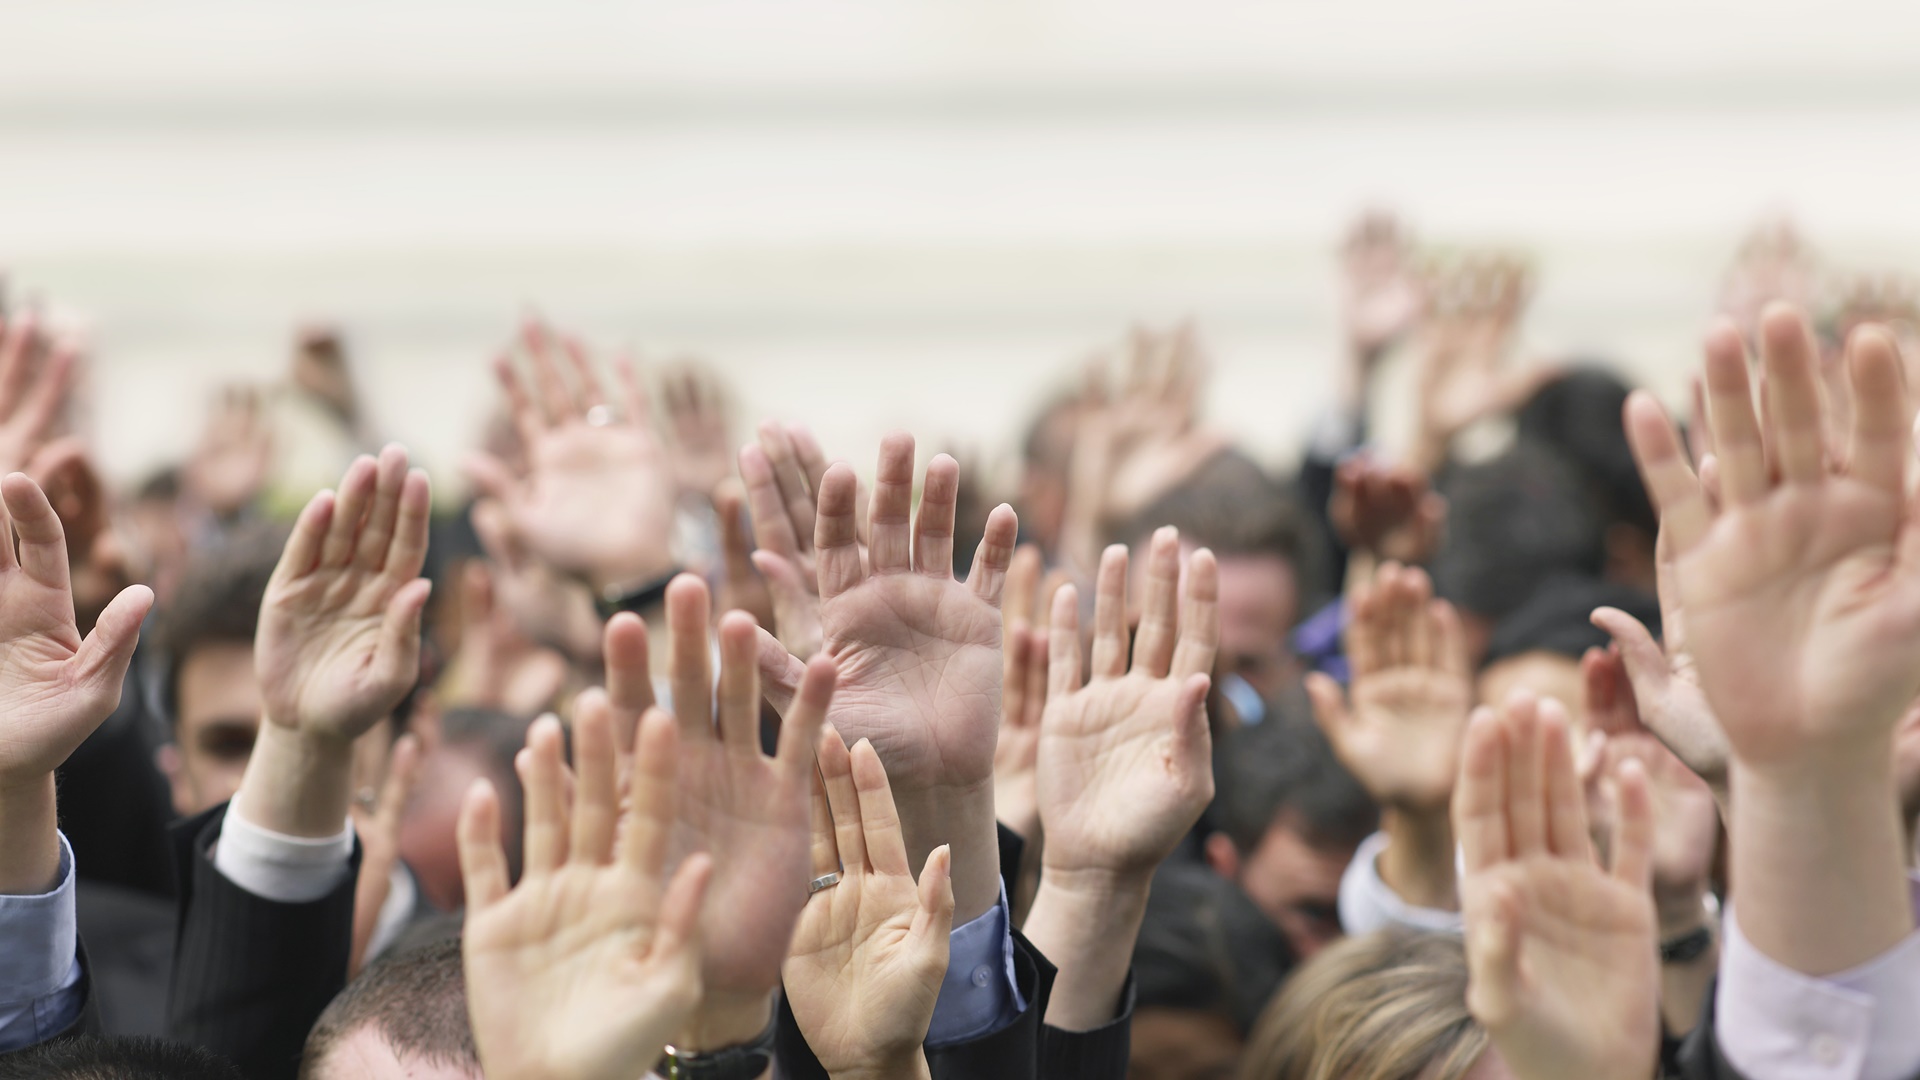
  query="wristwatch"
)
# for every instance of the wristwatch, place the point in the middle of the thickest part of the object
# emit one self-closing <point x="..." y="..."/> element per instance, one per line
<point x="746" y="1061"/>
<point x="1688" y="947"/>
<point x="615" y="599"/>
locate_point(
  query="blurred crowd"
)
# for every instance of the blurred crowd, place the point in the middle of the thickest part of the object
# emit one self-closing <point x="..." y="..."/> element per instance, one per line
<point x="680" y="743"/>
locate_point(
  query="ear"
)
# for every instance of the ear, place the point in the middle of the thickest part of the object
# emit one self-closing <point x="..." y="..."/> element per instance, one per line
<point x="167" y="759"/>
<point x="1223" y="856"/>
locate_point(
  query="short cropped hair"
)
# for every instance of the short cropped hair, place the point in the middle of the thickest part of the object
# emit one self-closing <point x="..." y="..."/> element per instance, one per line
<point x="1285" y="763"/>
<point x="217" y="601"/>
<point x="93" y="1057"/>
<point x="416" y="1001"/>
<point x="1230" y="505"/>
<point x="1514" y="522"/>
<point x="1205" y="946"/>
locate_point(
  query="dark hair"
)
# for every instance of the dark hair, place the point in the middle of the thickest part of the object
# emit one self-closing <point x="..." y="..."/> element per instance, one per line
<point x="217" y="601"/>
<point x="93" y="1057"/>
<point x="415" y="1000"/>
<point x="1557" y="619"/>
<point x="1513" y="522"/>
<point x="1204" y="945"/>
<point x="1579" y="414"/>
<point x="1286" y="764"/>
<point x="1231" y="505"/>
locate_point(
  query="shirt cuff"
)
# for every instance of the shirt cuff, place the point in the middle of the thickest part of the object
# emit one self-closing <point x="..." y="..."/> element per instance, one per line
<point x="980" y="994"/>
<point x="275" y="866"/>
<point x="39" y="962"/>
<point x="1772" y="1021"/>
<point x="1367" y="903"/>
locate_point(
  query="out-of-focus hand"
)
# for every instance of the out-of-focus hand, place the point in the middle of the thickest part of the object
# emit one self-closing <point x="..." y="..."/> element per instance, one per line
<point x="1474" y="310"/>
<point x="747" y="810"/>
<point x="1412" y="693"/>
<point x="587" y="967"/>
<point x="699" y="424"/>
<point x="1387" y="510"/>
<point x="495" y="666"/>
<point x="742" y="587"/>
<point x="36" y="374"/>
<point x="782" y="472"/>
<point x="919" y="655"/>
<point x="1023" y="695"/>
<point x="229" y="467"/>
<point x="1383" y="298"/>
<point x="598" y="500"/>
<point x="870" y="952"/>
<point x="1561" y="953"/>
<point x="378" y="827"/>
<point x="551" y="608"/>
<point x="1125" y="761"/>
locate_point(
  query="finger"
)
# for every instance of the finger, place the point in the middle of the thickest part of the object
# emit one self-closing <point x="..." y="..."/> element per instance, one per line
<point x="987" y="578"/>
<point x="1417" y="595"/>
<point x="100" y="664"/>
<point x="1021" y="591"/>
<point x="526" y="416"/>
<point x="1365" y="649"/>
<point x="680" y="908"/>
<point x="1793" y="394"/>
<point x="646" y="829"/>
<point x="591" y="392"/>
<point x="843" y="797"/>
<point x="739" y="685"/>
<point x="596" y="809"/>
<point x="933" y="923"/>
<point x="1014" y="687"/>
<point x="781" y="672"/>
<point x="1034" y="704"/>
<point x="413" y="524"/>
<point x="15" y="346"/>
<point x="933" y="526"/>
<point x="773" y="526"/>
<point x="795" y="495"/>
<point x="836" y="535"/>
<point x="689" y="658"/>
<point x="356" y="491"/>
<point x="729" y="507"/>
<point x="629" y="676"/>
<point x="396" y="660"/>
<point x="1329" y="706"/>
<point x="1199" y="643"/>
<point x="1699" y="434"/>
<point x="1669" y="479"/>
<point x="890" y="519"/>
<point x="1192" y="743"/>
<point x="1110" y="615"/>
<point x="1633" y="835"/>
<point x="632" y="391"/>
<point x="880" y="826"/>
<point x="1882" y="415"/>
<point x="1566" y="803"/>
<point x="826" y="847"/>
<point x="1450" y="640"/>
<point x="390" y="475"/>
<point x="46" y="394"/>
<point x="1493" y="955"/>
<point x="538" y="766"/>
<point x="555" y="398"/>
<point x="403" y="768"/>
<point x="1739" y="448"/>
<point x="1526" y="786"/>
<point x="813" y="462"/>
<point x="1063" y="643"/>
<point x="36" y="528"/>
<point x="483" y="862"/>
<point x="1640" y="654"/>
<point x="1154" y="643"/>
<point x="1480" y="798"/>
<point x="806" y="715"/>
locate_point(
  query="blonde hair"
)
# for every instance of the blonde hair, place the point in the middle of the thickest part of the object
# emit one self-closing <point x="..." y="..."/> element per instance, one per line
<point x="1387" y="1006"/>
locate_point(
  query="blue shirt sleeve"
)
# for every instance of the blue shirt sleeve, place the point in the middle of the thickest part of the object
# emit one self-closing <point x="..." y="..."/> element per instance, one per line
<point x="980" y="994"/>
<point x="40" y="992"/>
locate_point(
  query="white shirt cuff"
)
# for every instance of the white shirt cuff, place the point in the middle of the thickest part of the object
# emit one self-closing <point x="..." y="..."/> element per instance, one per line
<point x="1367" y="903"/>
<point x="1774" y="1023"/>
<point x="275" y="866"/>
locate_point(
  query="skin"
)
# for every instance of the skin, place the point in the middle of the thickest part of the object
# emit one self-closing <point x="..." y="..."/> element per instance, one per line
<point x="1540" y="673"/>
<point x="1259" y="604"/>
<point x="1294" y="880"/>
<point x="218" y="706"/>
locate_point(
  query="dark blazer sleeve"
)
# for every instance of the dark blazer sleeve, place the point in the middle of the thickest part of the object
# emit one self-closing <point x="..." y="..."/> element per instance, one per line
<point x="1091" y="1055"/>
<point x="1699" y="1057"/>
<point x="252" y="975"/>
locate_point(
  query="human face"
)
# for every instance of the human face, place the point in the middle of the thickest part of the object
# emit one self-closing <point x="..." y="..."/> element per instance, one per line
<point x="218" y="704"/>
<point x="1259" y="604"/>
<point x="1543" y="674"/>
<point x="1297" y="883"/>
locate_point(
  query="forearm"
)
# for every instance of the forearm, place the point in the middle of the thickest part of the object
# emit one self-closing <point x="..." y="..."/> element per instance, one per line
<point x="1818" y="862"/>
<point x="1086" y="923"/>
<point x="1418" y="863"/>
<point x="299" y="785"/>
<point x="963" y="818"/>
<point x="29" y="838"/>
<point x="725" y="1019"/>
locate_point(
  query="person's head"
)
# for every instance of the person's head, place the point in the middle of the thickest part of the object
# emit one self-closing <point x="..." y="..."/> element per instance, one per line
<point x="1513" y="522"/>
<point x="1289" y="817"/>
<point x="94" y="1057"/>
<point x="404" y="1018"/>
<point x="472" y="744"/>
<point x="1390" y="1005"/>
<point x="1267" y="558"/>
<point x="1538" y="646"/>
<point x="1580" y="415"/>
<point x="1206" y="963"/>
<point x="210" y="694"/>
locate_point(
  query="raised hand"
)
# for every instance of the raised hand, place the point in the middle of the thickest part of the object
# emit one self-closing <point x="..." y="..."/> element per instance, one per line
<point x="1386" y="510"/>
<point x="589" y="965"/>
<point x="598" y="498"/>
<point x="1383" y="296"/>
<point x="919" y="655"/>
<point x="783" y="472"/>
<point x="230" y="465"/>
<point x="1563" y="969"/>
<point x="378" y="827"/>
<point x="1474" y="309"/>
<point x="36" y="372"/>
<point x="699" y="423"/>
<point x="870" y="951"/>
<point x="1023" y="695"/>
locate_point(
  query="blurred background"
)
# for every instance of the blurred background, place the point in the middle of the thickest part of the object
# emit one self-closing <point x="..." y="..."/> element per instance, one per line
<point x="908" y="212"/>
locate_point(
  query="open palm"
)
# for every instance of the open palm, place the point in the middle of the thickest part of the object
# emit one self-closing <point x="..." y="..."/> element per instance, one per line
<point x="338" y="642"/>
<point x="1125" y="762"/>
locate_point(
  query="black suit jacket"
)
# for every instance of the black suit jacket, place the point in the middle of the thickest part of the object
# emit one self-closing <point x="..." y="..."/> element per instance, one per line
<point x="129" y="936"/>
<point x="252" y="975"/>
<point x="1027" y="1048"/>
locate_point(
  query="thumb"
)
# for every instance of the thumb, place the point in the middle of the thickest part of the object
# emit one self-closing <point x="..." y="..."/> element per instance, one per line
<point x="790" y="593"/>
<point x="1493" y="957"/>
<point x="1192" y="738"/>
<point x="396" y="659"/>
<point x="1646" y="662"/>
<point x="101" y="662"/>
<point x="780" y="671"/>
<point x="1329" y="703"/>
<point x="933" y="921"/>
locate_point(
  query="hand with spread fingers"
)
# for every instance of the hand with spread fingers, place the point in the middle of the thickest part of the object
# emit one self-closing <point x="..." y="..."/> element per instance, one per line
<point x="1023" y="695"/>
<point x="699" y="425"/>
<point x="1412" y="693"/>
<point x="1563" y="971"/>
<point x="871" y="949"/>
<point x="782" y="472"/>
<point x="1125" y="767"/>
<point x="1387" y="510"/>
<point x="918" y="654"/>
<point x="586" y="968"/>
<point x="747" y="810"/>
<point x="36" y="374"/>
<point x="598" y="500"/>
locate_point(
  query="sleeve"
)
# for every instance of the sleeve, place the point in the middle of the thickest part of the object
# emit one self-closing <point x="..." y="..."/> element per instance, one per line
<point x="1100" y="1054"/>
<point x="41" y="991"/>
<point x="1773" y="1022"/>
<point x="981" y="993"/>
<point x="1368" y="904"/>
<point x="276" y="866"/>
<point x="252" y="974"/>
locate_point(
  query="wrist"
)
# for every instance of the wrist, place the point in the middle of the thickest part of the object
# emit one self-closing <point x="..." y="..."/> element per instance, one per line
<point x="1418" y="863"/>
<point x="964" y="819"/>
<point x="911" y="1065"/>
<point x="725" y="1019"/>
<point x="29" y="837"/>
<point x="297" y="782"/>
<point x="1681" y="910"/>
